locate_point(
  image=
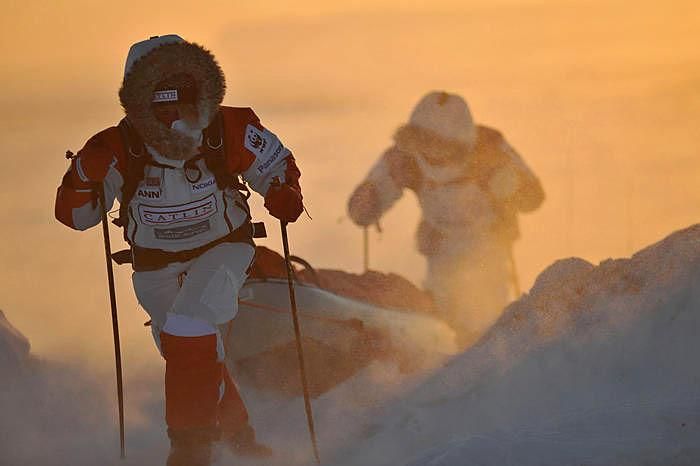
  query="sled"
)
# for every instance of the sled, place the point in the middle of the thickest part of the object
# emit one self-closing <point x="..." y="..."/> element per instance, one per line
<point x="347" y="321"/>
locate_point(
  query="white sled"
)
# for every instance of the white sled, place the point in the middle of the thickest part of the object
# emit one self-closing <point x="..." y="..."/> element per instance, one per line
<point x="340" y="336"/>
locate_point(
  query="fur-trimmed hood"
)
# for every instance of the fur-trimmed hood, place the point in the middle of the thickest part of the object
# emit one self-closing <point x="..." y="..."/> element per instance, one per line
<point x="438" y="150"/>
<point x="163" y="62"/>
<point x="443" y="160"/>
<point x="435" y="149"/>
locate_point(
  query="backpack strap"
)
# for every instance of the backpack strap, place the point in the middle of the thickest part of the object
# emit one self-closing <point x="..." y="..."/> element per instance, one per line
<point x="214" y="154"/>
<point x="137" y="159"/>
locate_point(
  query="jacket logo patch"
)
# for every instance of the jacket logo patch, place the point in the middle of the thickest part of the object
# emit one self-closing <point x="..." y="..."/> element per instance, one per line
<point x="182" y="232"/>
<point x="152" y="181"/>
<point x="267" y="148"/>
<point x="203" y="185"/>
<point x="255" y="140"/>
<point x="262" y="168"/>
<point x="197" y="210"/>
<point x="149" y="193"/>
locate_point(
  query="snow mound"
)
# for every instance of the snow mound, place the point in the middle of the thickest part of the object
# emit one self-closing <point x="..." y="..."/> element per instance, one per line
<point x="596" y="365"/>
<point x="14" y="349"/>
<point x="55" y="414"/>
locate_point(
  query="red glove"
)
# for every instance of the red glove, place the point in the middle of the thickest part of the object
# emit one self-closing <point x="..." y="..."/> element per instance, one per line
<point x="92" y="164"/>
<point x="284" y="202"/>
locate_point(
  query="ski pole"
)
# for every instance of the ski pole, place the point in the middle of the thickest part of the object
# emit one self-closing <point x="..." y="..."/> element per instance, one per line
<point x="297" y="333"/>
<point x="365" y="246"/>
<point x="115" y="322"/>
<point x="514" y="274"/>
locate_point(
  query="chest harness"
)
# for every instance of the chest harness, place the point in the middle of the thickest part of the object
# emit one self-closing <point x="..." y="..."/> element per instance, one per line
<point x="214" y="156"/>
<point x="479" y="169"/>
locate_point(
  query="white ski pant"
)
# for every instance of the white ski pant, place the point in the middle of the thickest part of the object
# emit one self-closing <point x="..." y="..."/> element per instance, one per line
<point x="194" y="298"/>
<point x="470" y="290"/>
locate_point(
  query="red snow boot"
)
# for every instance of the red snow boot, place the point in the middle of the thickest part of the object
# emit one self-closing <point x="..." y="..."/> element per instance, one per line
<point x="190" y="447"/>
<point x="192" y="379"/>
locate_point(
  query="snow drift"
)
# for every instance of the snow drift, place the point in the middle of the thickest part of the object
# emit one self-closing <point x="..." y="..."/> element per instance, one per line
<point x="596" y="365"/>
<point x="52" y="413"/>
<point x="14" y="349"/>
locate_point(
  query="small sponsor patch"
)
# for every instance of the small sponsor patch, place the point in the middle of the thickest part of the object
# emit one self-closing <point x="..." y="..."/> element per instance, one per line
<point x="152" y="181"/>
<point x="149" y="193"/>
<point x="182" y="232"/>
<point x="263" y="167"/>
<point x="203" y="185"/>
<point x="197" y="210"/>
<point x="169" y="95"/>
<point x="266" y="147"/>
<point x="255" y="140"/>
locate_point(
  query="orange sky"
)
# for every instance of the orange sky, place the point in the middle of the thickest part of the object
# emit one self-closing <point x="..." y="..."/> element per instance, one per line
<point x="602" y="100"/>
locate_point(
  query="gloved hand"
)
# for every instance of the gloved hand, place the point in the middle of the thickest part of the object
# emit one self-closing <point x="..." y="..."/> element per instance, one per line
<point x="363" y="206"/>
<point x="284" y="202"/>
<point x="92" y="164"/>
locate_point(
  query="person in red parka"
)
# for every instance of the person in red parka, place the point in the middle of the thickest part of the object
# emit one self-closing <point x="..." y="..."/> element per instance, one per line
<point x="175" y="164"/>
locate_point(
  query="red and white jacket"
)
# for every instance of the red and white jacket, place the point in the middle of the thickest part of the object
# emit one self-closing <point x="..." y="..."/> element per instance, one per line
<point x="175" y="208"/>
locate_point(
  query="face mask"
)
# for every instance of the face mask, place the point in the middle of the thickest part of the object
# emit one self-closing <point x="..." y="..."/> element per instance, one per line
<point x="182" y="127"/>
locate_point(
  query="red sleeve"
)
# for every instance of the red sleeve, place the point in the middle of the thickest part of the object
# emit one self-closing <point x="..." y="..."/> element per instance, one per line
<point x="292" y="172"/>
<point x="67" y="199"/>
<point x="238" y="158"/>
<point x="72" y="193"/>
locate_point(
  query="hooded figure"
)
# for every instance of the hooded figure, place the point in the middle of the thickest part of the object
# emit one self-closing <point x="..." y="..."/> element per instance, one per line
<point x="175" y="164"/>
<point x="470" y="185"/>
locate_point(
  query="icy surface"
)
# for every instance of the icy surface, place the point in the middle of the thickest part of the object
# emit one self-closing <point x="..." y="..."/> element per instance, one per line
<point x="55" y="414"/>
<point x="14" y="349"/>
<point x="594" y="366"/>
